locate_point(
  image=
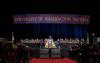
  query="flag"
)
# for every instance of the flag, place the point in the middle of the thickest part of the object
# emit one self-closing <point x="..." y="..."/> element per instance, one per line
<point x="87" y="38"/>
<point x="13" y="37"/>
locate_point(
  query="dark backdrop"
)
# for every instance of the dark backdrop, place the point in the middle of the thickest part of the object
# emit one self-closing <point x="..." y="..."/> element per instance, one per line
<point x="55" y="30"/>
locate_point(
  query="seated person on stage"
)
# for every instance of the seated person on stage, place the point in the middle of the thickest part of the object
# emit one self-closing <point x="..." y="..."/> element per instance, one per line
<point x="41" y="43"/>
<point x="49" y="43"/>
<point x="58" y="43"/>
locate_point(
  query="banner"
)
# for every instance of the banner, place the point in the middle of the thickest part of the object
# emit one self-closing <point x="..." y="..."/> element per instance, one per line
<point x="51" y="18"/>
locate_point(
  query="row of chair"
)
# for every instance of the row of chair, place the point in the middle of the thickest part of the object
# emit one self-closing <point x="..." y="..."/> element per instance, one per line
<point x="62" y="45"/>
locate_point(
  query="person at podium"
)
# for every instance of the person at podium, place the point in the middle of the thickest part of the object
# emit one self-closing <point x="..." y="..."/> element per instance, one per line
<point x="49" y="43"/>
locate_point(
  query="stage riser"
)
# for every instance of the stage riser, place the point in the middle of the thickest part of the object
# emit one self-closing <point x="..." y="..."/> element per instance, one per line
<point x="44" y="56"/>
<point x="50" y="53"/>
